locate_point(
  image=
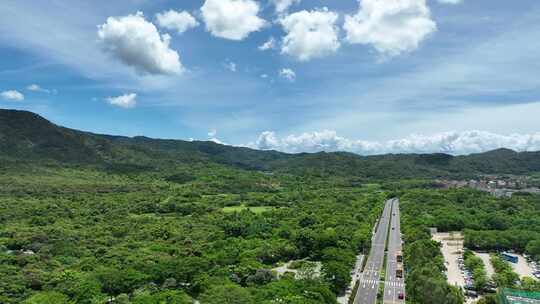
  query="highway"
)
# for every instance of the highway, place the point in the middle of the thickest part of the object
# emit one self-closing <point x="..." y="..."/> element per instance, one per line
<point x="369" y="280"/>
<point x="393" y="285"/>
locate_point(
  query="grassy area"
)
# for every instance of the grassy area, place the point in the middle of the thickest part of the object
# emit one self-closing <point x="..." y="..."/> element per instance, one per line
<point x="256" y="209"/>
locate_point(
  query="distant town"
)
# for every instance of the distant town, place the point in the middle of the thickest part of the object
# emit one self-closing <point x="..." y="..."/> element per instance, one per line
<point x="498" y="185"/>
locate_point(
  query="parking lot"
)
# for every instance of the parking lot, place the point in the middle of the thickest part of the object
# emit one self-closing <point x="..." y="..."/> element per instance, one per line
<point x="525" y="269"/>
<point x="452" y="250"/>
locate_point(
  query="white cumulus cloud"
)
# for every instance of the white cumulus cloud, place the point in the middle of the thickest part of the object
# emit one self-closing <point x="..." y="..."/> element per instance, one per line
<point x="212" y="133"/>
<point x="12" y="95"/>
<point x="176" y="21"/>
<point x="125" y="101"/>
<point x="392" y="27"/>
<point x="310" y="34"/>
<point x="283" y="5"/>
<point x="217" y="141"/>
<point x="37" y="88"/>
<point x="456" y="143"/>
<point x="288" y="74"/>
<point x="268" y="45"/>
<point x="212" y="136"/>
<point x="232" y="19"/>
<point x="137" y="43"/>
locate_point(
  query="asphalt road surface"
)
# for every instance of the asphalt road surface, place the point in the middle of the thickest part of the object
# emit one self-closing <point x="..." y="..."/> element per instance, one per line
<point x="369" y="280"/>
<point x="393" y="285"/>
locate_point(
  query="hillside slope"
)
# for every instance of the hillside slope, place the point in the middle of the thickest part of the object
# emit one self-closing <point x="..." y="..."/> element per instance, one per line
<point x="28" y="137"/>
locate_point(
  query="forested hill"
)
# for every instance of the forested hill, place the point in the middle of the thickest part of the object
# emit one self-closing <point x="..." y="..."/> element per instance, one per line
<point x="26" y="137"/>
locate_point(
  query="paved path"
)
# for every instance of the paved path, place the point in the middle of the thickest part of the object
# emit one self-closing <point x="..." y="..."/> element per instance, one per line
<point x="369" y="279"/>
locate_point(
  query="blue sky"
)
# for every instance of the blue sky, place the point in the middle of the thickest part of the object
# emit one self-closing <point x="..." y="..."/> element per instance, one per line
<point x="427" y="76"/>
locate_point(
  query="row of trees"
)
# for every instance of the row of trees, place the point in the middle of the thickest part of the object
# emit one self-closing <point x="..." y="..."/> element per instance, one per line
<point x="504" y="275"/>
<point x="477" y="268"/>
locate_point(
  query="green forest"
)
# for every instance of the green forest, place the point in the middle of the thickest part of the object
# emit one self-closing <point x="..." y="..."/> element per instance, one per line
<point x="75" y="235"/>
<point x="90" y="219"/>
<point x="83" y="236"/>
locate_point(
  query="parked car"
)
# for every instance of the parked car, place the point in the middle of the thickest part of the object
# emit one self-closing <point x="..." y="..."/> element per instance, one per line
<point x="401" y="296"/>
<point x="490" y="290"/>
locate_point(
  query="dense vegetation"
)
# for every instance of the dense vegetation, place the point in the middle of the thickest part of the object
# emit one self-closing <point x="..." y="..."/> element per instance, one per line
<point x="489" y="223"/>
<point x="425" y="281"/>
<point x="86" y="218"/>
<point x="83" y="235"/>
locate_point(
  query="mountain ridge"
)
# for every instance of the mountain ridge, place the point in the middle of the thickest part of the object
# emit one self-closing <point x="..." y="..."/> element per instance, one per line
<point x="27" y="136"/>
